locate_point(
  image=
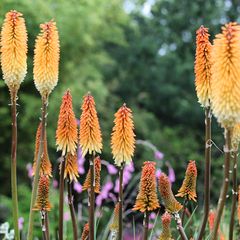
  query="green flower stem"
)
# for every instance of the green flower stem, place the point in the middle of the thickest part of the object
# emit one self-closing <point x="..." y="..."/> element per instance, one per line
<point x="146" y="223"/>
<point x="92" y="199"/>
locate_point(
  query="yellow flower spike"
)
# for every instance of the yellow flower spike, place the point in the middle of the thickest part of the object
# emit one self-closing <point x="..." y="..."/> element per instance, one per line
<point x="147" y="197"/>
<point x="203" y="66"/>
<point x="171" y="204"/>
<point x="46" y="59"/>
<point x="166" y="229"/>
<point x="46" y="166"/>
<point x="71" y="167"/>
<point x="188" y="188"/>
<point x="235" y="136"/>
<point x="90" y="138"/>
<point x="14" y="50"/>
<point x="42" y="201"/>
<point x="226" y="76"/>
<point x="115" y="225"/>
<point x="85" y="233"/>
<point x="67" y="133"/>
<point x="97" y="170"/>
<point x="123" y="137"/>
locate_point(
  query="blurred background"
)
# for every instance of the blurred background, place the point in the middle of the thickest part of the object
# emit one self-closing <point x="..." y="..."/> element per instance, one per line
<point x="138" y="52"/>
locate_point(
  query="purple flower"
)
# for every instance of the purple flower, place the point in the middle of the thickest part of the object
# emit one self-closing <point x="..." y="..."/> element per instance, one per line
<point x="29" y="170"/>
<point x="55" y="183"/>
<point x="152" y="215"/>
<point x="104" y="193"/>
<point x="158" y="155"/>
<point x="111" y="169"/>
<point x="77" y="187"/>
<point x="20" y="223"/>
<point x="158" y="173"/>
<point x="81" y="161"/>
<point x="171" y="174"/>
<point x="66" y="216"/>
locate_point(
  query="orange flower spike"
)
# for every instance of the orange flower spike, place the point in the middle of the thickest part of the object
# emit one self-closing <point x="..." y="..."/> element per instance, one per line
<point x="14" y="50"/>
<point x="46" y="59"/>
<point x="90" y="134"/>
<point x="123" y="137"/>
<point x="67" y="133"/>
<point x="115" y="221"/>
<point x="203" y="66"/>
<point x="235" y="136"/>
<point x="188" y="188"/>
<point x="71" y="167"/>
<point x="46" y="166"/>
<point x="147" y="199"/>
<point x="171" y="204"/>
<point x="211" y="219"/>
<point x="226" y="76"/>
<point x="42" y="201"/>
<point x="97" y="169"/>
<point x="166" y="230"/>
<point x="238" y="210"/>
<point x="85" y="232"/>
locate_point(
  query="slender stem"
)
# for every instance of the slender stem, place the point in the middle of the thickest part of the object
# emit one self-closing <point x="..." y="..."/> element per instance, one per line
<point x="207" y="172"/>
<point x="36" y="176"/>
<point x="146" y="223"/>
<point x="223" y="195"/>
<point x="234" y="197"/>
<point x="14" y="163"/>
<point x="47" y="225"/>
<point x="120" y="220"/>
<point x="43" y="220"/>
<point x="61" y="200"/>
<point x="184" y="209"/>
<point x="180" y="227"/>
<point x="92" y="200"/>
<point x="72" y="211"/>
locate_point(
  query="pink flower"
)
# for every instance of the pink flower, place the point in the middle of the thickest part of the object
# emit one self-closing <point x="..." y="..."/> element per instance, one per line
<point x="29" y="170"/>
<point x="81" y="161"/>
<point x="104" y="193"/>
<point x="77" y="187"/>
<point x="171" y="174"/>
<point x="55" y="183"/>
<point x="158" y="173"/>
<point x="158" y="155"/>
<point x="111" y="169"/>
<point x="20" y="223"/>
<point x="66" y="216"/>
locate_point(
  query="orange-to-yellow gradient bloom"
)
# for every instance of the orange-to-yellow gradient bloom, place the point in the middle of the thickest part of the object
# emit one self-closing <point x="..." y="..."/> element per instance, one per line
<point x="202" y="67"/>
<point x="171" y="204"/>
<point x="90" y="138"/>
<point x="166" y="229"/>
<point x="147" y="199"/>
<point x="188" y="188"/>
<point x="225" y="96"/>
<point x="85" y="233"/>
<point x="71" y="167"/>
<point x="211" y="220"/>
<point x="42" y="201"/>
<point x="45" y="166"/>
<point x="235" y="137"/>
<point x="67" y="133"/>
<point x="123" y="137"/>
<point x="97" y="171"/>
<point x="46" y="59"/>
<point x="14" y="49"/>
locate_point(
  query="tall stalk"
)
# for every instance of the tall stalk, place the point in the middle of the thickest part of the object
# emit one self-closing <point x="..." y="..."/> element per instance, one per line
<point x="180" y="227"/>
<point x="92" y="200"/>
<point x="43" y="219"/>
<point x="223" y="195"/>
<point x="61" y="199"/>
<point x="207" y="172"/>
<point x="120" y="199"/>
<point x="234" y="197"/>
<point x="38" y="164"/>
<point x="14" y="163"/>
<point x="72" y="211"/>
<point x="146" y="223"/>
